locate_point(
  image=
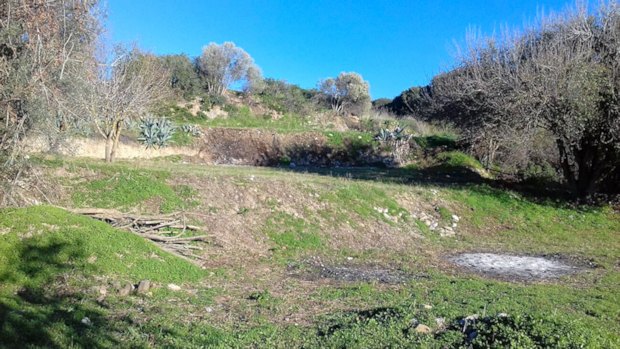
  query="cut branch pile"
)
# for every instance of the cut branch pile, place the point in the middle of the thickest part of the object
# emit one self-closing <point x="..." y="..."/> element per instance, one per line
<point x="155" y="228"/>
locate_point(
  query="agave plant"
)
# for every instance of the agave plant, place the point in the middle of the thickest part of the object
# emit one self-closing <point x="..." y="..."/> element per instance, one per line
<point x="385" y="135"/>
<point x="194" y="130"/>
<point x="156" y="132"/>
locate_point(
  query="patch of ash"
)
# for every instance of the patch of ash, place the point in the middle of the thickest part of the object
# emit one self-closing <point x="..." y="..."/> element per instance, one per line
<point x="315" y="270"/>
<point x="513" y="266"/>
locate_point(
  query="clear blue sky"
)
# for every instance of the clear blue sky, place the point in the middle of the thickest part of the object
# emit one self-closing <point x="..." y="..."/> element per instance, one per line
<point x="393" y="44"/>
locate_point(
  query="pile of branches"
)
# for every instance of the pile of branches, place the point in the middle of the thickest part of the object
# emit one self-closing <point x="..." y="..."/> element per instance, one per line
<point x="155" y="228"/>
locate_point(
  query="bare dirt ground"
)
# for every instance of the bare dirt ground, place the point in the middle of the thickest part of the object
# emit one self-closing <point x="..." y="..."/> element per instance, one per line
<point x="94" y="148"/>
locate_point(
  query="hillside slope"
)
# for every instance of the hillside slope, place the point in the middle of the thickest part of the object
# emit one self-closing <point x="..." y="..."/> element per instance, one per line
<point x="355" y="257"/>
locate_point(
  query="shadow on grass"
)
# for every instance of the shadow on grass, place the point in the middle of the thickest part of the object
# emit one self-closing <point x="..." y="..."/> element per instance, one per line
<point x="37" y="309"/>
<point x="447" y="176"/>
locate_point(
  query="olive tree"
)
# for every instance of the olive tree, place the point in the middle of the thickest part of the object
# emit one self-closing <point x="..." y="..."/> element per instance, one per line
<point x="346" y="94"/>
<point x="221" y="66"/>
<point x="184" y="79"/>
<point x="43" y="44"/>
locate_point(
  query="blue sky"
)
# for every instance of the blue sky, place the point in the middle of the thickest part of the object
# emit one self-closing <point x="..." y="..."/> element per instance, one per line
<point x="393" y="44"/>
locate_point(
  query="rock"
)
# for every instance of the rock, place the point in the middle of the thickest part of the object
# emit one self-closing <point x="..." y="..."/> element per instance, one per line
<point x="86" y="321"/>
<point x="471" y="336"/>
<point x="454" y="225"/>
<point x="143" y="286"/>
<point x="472" y="317"/>
<point x="427" y="306"/>
<point x="208" y="309"/>
<point x="423" y="329"/>
<point x="433" y="226"/>
<point x="441" y="322"/>
<point x="173" y="287"/>
<point x="125" y="291"/>
<point x="455" y="218"/>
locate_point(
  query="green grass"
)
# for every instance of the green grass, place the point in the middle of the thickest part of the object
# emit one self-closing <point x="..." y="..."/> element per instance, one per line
<point x="438" y="140"/>
<point x="292" y="235"/>
<point x="548" y="227"/>
<point x="286" y="124"/>
<point x="47" y="253"/>
<point x="363" y="200"/>
<point x="352" y="139"/>
<point x="458" y="159"/>
<point x="182" y="139"/>
<point x="124" y="188"/>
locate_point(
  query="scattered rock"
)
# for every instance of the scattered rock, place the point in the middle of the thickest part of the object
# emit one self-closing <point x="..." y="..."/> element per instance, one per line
<point x="86" y="321"/>
<point x="423" y="329"/>
<point x="473" y="317"/>
<point x="125" y="291"/>
<point x="441" y="322"/>
<point x="173" y="287"/>
<point x="455" y="218"/>
<point x="143" y="286"/>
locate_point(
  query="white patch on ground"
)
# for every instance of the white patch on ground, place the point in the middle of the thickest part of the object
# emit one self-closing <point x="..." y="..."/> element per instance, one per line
<point x="513" y="266"/>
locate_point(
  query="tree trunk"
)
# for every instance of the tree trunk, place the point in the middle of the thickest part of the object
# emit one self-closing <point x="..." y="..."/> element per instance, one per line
<point x="116" y="137"/>
<point x="583" y="166"/>
<point x="108" y="148"/>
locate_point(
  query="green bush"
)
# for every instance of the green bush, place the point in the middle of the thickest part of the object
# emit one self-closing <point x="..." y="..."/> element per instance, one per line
<point x="459" y="159"/>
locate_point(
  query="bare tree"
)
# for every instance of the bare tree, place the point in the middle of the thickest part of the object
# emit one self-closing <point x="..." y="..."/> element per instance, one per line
<point x="122" y="90"/>
<point x="561" y="75"/>
<point x="221" y="66"/>
<point x="346" y="94"/>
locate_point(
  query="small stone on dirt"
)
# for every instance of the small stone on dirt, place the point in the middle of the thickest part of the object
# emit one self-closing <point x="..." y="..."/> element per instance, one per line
<point x="441" y="322"/>
<point x="125" y="291"/>
<point x="173" y="287"/>
<point x="423" y="329"/>
<point x="86" y="321"/>
<point x="143" y="286"/>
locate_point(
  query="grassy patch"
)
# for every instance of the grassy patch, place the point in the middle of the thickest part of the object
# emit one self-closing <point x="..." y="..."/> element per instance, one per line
<point x="244" y="119"/>
<point x="458" y="159"/>
<point x="292" y="235"/>
<point x="549" y="227"/>
<point x="367" y="201"/>
<point x="350" y="139"/>
<point x="182" y="139"/>
<point x="40" y="241"/>
<point x="124" y="188"/>
<point x="437" y="140"/>
<point x="49" y="258"/>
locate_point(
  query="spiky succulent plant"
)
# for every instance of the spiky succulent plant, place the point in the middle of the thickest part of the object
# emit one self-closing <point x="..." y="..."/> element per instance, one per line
<point x="156" y="132"/>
